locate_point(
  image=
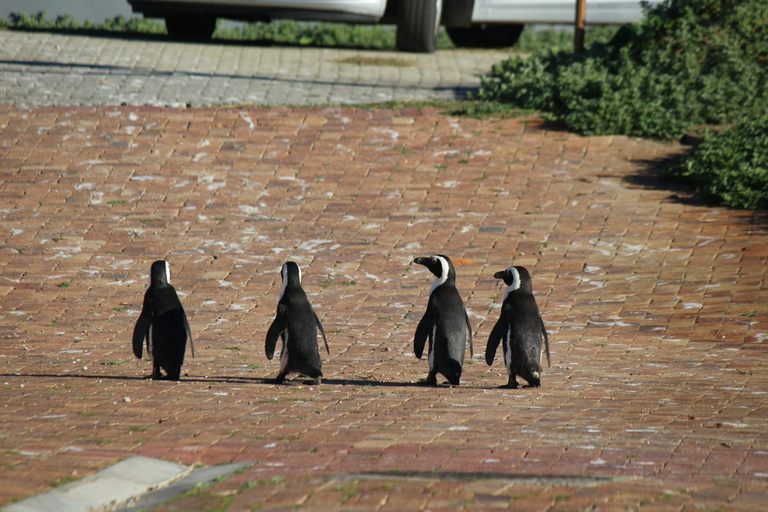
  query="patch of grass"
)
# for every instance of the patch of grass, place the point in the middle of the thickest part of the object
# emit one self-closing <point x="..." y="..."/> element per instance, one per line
<point x="62" y="481"/>
<point x="261" y="483"/>
<point x="350" y="492"/>
<point x="377" y="61"/>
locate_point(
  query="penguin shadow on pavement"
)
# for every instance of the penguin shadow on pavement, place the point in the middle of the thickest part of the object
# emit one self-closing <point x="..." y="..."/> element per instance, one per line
<point x="182" y="380"/>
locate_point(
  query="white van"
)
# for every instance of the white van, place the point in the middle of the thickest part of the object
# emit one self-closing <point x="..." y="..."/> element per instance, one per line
<point x="479" y="23"/>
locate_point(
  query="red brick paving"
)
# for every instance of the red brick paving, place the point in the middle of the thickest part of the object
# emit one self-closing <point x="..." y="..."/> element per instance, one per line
<point x="656" y="308"/>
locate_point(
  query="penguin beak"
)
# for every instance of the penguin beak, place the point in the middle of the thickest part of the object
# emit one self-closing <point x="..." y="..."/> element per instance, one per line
<point x="500" y="275"/>
<point x="420" y="261"/>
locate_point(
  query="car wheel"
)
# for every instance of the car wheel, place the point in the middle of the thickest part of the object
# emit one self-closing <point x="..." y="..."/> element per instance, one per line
<point x="190" y="27"/>
<point x="418" y="22"/>
<point x="485" y="36"/>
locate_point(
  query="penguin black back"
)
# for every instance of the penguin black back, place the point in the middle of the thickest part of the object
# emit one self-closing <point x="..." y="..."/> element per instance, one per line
<point x="520" y="328"/>
<point x="443" y="323"/>
<point x="163" y="324"/>
<point x="296" y="324"/>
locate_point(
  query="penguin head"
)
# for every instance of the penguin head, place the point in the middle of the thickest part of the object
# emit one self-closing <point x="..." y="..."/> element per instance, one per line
<point x="159" y="274"/>
<point x="516" y="278"/>
<point x="291" y="276"/>
<point x="439" y="265"/>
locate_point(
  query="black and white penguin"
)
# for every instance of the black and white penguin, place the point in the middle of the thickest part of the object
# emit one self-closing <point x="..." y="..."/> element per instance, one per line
<point x="521" y="329"/>
<point x="296" y="323"/>
<point x="163" y="324"/>
<point x="443" y="323"/>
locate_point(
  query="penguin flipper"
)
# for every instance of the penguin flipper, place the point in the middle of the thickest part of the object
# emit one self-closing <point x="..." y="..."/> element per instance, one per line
<point x="274" y="332"/>
<point x="189" y="333"/>
<point x="497" y="334"/>
<point x="546" y="340"/>
<point x="140" y="331"/>
<point x="469" y="328"/>
<point x="322" y="331"/>
<point x="423" y="331"/>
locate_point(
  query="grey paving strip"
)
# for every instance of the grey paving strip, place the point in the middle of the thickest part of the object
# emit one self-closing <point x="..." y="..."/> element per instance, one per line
<point x="202" y="476"/>
<point x="135" y="483"/>
<point x="40" y="69"/>
<point x="549" y="480"/>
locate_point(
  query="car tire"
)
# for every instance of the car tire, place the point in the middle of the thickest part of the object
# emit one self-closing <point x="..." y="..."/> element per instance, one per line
<point x="485" y="36"/>
<point x="418" y="23"/>
<point x="190" y="27"/>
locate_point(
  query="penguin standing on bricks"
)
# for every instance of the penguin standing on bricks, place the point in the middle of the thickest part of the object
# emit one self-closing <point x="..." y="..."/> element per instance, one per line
<point x="443" y="323"/>
<point x="520" y="328"/>
<point x="164" y="325"/>
<point x="296" y="323"/>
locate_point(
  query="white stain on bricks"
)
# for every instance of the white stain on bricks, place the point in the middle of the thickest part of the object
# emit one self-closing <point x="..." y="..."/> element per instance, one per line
<point x="210" y="180"/>
<point x="312" y="246"/>
<point x="248" y="209"/>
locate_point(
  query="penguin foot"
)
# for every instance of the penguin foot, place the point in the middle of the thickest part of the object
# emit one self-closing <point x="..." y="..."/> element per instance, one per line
<point x="156" y="375"/>
<point x="512" y="384"/>
<point x="279" y="379"/>
<point x="174" y="375"/>
<point x="431" y="380"/>
<point x="318" y="380"/>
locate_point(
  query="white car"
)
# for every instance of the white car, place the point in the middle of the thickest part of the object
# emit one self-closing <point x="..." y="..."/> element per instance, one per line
<point x="479" y="23"/>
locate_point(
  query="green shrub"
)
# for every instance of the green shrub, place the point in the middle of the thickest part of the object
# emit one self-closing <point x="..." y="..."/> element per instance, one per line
<point x="687" y="63"/>
<point x="730" y="168"/>
<point x="40" y="21"/>
<point x="554" y="39"/>
<point x="286" y="32"/>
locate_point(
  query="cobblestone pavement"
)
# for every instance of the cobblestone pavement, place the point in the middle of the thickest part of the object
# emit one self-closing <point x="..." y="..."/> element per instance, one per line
<point x="51" y="69"/>
<point x="657" y="397"/>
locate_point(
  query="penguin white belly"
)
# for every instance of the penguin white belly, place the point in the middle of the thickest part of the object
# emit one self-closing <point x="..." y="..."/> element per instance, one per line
<point x="150" y="345"/>
<point x="431" y="356"/>
<point x="508" y="351"/>
<point x="284" y="353"/>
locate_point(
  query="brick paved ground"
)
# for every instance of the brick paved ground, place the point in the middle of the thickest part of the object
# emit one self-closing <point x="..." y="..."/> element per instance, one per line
<point x="657" y="396"/>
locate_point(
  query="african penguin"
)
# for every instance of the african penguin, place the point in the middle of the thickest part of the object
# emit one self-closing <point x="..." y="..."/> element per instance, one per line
<point x="520" y="328"/>
<point x="443" y="323"/>
<point x="296" y="323"/>
<point x="164" y="325"/>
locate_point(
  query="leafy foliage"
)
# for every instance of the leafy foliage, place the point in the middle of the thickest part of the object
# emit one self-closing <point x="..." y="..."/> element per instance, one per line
<point x="687" y="63"/>
<point x="286" y="32"/>
<point x="40" y="21"/>
<point x="730" y="168"/>
<point x="554" y="39"/>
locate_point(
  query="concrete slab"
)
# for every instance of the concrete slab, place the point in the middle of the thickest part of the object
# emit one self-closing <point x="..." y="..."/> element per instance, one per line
<point x="116" y="484"/>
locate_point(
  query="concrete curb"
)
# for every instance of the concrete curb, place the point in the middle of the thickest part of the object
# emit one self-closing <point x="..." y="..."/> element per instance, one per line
<point x="109" y="487"/>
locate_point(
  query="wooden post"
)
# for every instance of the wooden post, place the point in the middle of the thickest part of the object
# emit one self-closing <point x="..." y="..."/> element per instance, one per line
<point x="578" y="29"/>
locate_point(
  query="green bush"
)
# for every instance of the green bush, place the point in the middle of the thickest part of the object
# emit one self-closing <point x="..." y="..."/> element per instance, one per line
<point x="687" y="63"/>
<point x="730" y="168"/>
<point x="40" y="21"/>
<point x="286" y="32"/>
